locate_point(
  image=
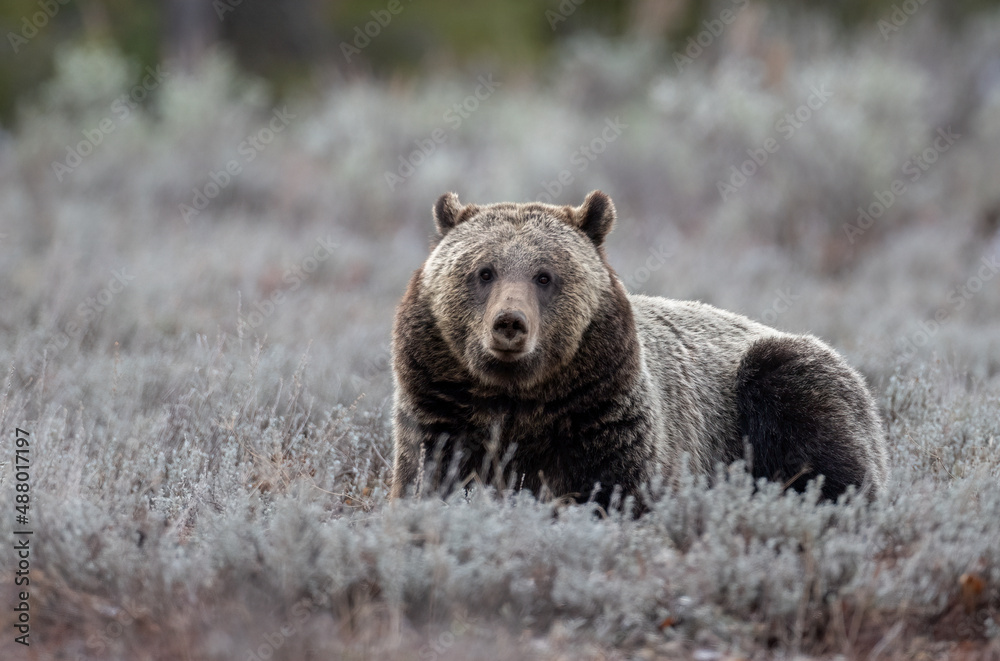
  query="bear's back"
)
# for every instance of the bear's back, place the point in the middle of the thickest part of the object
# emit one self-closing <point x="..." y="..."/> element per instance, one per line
<point x="692" y="352"/>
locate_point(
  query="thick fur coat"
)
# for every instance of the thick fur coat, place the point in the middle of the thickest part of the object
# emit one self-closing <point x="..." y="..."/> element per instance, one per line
<point x="520" y="361"/>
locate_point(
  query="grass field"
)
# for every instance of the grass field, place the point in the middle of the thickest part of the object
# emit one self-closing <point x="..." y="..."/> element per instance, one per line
<point x="196" y="315"/>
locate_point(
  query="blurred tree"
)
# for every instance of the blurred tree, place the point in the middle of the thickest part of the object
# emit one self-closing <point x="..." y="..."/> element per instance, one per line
<point x="280" y="41"/>
<point x="192" y="28"/>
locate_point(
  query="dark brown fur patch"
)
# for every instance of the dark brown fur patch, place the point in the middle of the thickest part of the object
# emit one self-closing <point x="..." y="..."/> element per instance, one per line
<point x="449" y="212"/>
<point x="799" y="418"/>
<point x="596" y="216"/>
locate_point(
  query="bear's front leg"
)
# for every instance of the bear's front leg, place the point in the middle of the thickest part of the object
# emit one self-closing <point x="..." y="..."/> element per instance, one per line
<point x="432" y="457"/>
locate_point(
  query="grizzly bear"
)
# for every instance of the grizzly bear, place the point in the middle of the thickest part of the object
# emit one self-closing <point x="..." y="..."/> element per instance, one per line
<point x="521" y="362"/>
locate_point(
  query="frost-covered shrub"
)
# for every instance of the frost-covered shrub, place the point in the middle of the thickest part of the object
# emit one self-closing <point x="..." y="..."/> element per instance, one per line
<point x="211" y="439"/>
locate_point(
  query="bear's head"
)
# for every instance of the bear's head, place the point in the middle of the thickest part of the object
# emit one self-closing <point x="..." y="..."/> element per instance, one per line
<point x="513" y="287"/>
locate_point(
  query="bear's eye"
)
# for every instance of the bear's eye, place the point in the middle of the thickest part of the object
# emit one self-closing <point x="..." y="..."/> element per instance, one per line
<point x="486" y="275"/>
<point x="543" y="279"/>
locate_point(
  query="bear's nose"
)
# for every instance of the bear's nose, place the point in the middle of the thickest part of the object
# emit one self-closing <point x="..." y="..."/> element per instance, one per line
<point x="511" y="326"/>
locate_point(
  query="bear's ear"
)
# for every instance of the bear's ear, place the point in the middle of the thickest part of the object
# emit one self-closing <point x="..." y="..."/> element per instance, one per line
<point x="447" y="212"/>
<point x="595" y="216"/>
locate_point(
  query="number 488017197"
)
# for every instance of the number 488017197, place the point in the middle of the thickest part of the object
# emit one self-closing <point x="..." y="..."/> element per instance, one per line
<point x="22" y="464"/>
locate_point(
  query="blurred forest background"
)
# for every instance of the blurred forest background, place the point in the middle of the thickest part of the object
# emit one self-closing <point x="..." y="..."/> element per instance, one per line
<point x="289" y="41"/>
<point x="209" y="210"/>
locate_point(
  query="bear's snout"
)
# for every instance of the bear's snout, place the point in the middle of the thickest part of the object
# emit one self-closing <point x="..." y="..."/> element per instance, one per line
<point x="512" y="321"/>
<point x="511" y="327"/>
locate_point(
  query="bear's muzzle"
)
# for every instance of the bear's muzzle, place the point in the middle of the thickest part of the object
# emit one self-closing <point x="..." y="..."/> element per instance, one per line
<point x="513" y="319"/>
